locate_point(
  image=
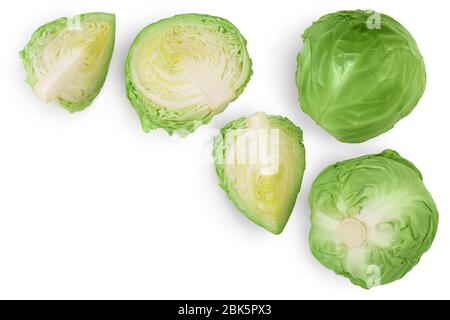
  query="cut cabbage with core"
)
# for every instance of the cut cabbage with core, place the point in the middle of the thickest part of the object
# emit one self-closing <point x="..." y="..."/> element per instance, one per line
<point x="67" y="60"/>
<point x="260" y="162"/>
<point x="183" y="70"/>
<point x="371" y="218"/>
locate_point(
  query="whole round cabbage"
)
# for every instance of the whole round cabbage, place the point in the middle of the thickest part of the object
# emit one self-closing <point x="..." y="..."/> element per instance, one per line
<point x="371" y="218"/>
<point x="358" y="74"/>
<point x="183" y="70"/>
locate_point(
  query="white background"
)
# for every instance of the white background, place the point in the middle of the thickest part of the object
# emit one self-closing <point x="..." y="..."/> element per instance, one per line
<point x="92" y="207"/>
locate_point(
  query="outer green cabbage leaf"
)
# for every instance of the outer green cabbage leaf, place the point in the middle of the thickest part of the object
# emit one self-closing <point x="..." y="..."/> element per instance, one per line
<point x="260" y="162"/>
<point x="371" y="218"/>
<point x="183" y="70"/>
<point x="67" y="60"/>
<point x="358" y="74"/>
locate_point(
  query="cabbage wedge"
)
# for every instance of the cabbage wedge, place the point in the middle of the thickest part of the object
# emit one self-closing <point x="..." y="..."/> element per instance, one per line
<point x="67" y="60"/>
<point x="260" y="162"/>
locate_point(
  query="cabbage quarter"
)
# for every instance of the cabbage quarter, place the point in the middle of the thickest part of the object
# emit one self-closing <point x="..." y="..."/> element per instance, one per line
<point x="372" y="218"/>
<point x="67" y="60"/>
<point x="183" y="70"/>
<point x="260" y="162"/>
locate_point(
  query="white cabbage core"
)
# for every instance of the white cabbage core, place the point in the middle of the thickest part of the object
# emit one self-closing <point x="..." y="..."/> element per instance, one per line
<point x="52" y="83"/>
<point x="68" y="65"/>
<point x="215" y="91"/>
<point x="352" y="232"/>
<point x="189" y="63"/>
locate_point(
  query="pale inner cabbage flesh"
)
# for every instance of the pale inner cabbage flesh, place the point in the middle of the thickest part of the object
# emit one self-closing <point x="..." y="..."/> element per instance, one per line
<point x="178" y="66"/>
<point x="67" y="67"/>
<point x="263" y="184"/>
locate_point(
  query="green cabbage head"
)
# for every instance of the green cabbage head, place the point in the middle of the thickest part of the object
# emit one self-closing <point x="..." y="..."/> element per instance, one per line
<point x="67" y="60"/>
<point x="371" y="218"/>
<point x="183" y="70"/>
<point x="358" y="74"/>
<point x="260" y="162"/>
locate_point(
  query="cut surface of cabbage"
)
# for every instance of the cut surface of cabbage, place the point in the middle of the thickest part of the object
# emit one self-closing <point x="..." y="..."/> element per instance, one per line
<point x="183" y="70"/>
<point x="67" y="60"/>
<point x="260" y="162"/>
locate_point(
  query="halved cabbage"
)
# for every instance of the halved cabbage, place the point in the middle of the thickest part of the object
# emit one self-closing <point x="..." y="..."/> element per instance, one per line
<point x="183" y="70"/>
<point x="260" y="162"/>
<point x="67" y="60"/>
<point x="371" y="218"/>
